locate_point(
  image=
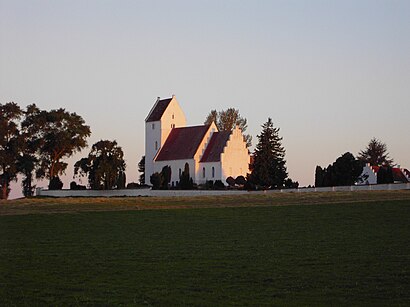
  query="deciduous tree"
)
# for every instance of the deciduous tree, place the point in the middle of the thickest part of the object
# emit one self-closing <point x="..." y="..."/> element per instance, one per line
<point x="345" y="171"/>
<point x="227" y="120"/>
<point x="60" y="134"/>
<point x="141" y="170"/>
<point x="104" y="166"/>
<point x="10" y="145"/>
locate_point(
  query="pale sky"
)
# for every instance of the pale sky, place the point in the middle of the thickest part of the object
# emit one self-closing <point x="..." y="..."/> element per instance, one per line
<point x="331" y="74"/>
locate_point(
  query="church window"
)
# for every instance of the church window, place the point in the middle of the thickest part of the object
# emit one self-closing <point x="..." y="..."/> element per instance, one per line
<point x="153" y="126"/>
<point x="203" y="172"/>
<point x="213" y="172"/>
<point x="180" y="173"/>
<point x="172" y="126"/>
<point x="173" y="116"/>
<point x="156" y="145"/>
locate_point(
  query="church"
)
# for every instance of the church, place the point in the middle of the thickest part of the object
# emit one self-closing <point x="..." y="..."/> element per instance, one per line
<point x="210" y="154"/>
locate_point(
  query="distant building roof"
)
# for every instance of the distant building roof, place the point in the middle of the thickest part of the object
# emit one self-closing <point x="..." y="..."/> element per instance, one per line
<point x="399" y="176"/>
<point x="182" y="143"/>
<point x="158" y="110"/>
<point x="216" y="146"/>
<point x="375" y="168"/>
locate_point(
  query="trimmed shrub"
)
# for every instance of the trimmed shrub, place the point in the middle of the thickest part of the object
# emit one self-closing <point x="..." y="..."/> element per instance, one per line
<point x="55" y="183"/>
<point x="218" y="185"/>
<point x="230" y="181"/>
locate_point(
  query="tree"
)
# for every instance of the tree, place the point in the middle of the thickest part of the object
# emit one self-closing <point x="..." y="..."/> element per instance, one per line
<point x="104" y="166"/>
<point x="141" y="169"/>
<point x="345" y="171"/>
<point x="10" y="146"/>
<point x="376" y="154"/>
<point x="60" y="134"/>
<point x="319" y="176"/>
<point x="121" y="181"/>
<point x="166" y="177"/>
<point x="385" y="175"/>
<point x="268" y="168"/>
<point x="156" y="180"/>
<point x="227" y="120"/>
<point x="185" y="180"/>
<point x="29" y="162"/>
<point x="240" y="180"/>
<point x="230" y="181"/>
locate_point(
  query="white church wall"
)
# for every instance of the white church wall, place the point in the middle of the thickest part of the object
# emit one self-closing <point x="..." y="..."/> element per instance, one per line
<point x="212" y="171"/>
<point x="235" y="159"/>
<point x="200" y="151"/>
<point x="152" y="146"/>
<point x="177" y="167"/>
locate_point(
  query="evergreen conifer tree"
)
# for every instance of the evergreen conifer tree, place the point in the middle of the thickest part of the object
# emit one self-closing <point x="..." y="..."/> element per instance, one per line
<point x="268" y="168"/>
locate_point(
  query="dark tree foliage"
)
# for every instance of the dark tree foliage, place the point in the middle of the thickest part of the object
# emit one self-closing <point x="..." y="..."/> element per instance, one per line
<point x="29" y="160"/>
<point x="160" y="181"/>
<point x="10" y="146"/>
<point x="345" y="171"/>
<point x="319" y="176"/>
<point x="166" y="177"/>
<point x="60" y="134"/>
<point x="156" y="181"/>
<point x="185" y="181"/>
<point x="141" y="170"/>
<point x="133" y="185"/>
<point x="55" y="183"/>
<point x="218" y="185"/>
<point x="376" y="154"/>
<point x="268" y="168"/>
<point x="75" y="186"/>
<point x="104" y="166"/>
<point x="230" y="181"/>
<point x="385" y="175"/>
<point x="240" y="180"/>
<point x="290" y="184"/>
<point x="121" y="181"/>
<point x="227" y="120"/>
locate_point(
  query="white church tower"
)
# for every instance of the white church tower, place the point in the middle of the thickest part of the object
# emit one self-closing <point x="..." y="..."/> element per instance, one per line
<point x="165" y="115"/>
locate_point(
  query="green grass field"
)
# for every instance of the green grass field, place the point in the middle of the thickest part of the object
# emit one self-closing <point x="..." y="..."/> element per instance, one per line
<point x="300" y="249"/>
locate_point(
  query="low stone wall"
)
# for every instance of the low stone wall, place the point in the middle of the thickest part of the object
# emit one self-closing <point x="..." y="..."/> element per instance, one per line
<point x="180" y="193"/>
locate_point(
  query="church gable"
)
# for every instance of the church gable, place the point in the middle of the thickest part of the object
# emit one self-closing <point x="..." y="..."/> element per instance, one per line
<point x="216" y="146"/>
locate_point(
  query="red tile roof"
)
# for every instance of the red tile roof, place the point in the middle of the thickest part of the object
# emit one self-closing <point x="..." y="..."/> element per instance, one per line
<point x="158" y="110"/>
<point x="398" y="175"/>
<point x="375" y="168"/>
<point x="182" y="143"/>
<point x="216" y="146"/>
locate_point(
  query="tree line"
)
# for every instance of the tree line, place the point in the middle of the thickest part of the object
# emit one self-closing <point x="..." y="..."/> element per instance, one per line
<point x="347" y="169"/>
<point x="34" y="143"/>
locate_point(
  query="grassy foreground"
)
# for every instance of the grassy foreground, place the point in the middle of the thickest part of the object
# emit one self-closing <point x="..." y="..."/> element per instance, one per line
<point x="332" y="249"/>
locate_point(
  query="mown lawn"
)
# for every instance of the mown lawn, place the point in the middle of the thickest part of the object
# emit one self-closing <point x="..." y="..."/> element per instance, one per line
<point x="336" y="254"/>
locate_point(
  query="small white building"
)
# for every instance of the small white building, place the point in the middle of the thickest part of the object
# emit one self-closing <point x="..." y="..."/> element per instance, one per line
<point x="210" y="154"/>
<point x="369" y="174"/>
